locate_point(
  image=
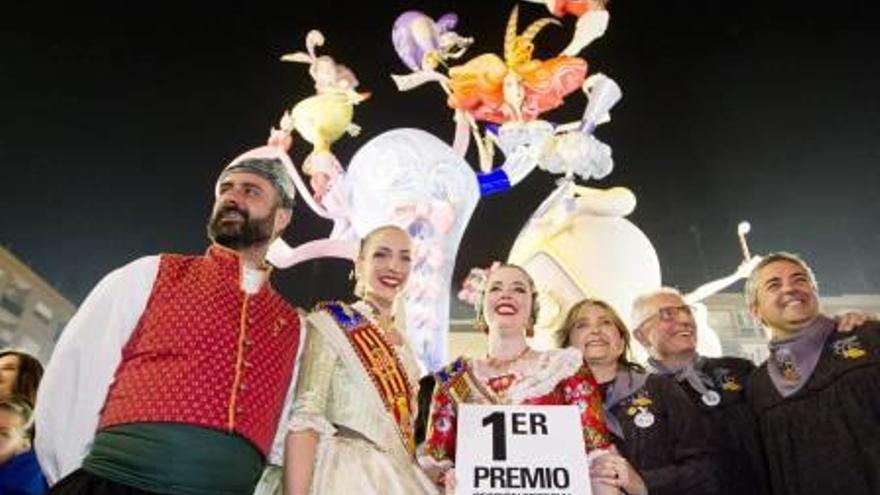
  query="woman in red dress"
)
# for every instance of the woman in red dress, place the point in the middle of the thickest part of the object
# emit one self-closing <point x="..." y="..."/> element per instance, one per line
<point x="511" y="373"/>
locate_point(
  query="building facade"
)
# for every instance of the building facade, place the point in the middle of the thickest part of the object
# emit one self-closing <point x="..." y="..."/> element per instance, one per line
<point x="742" y="336"/>
<point x="32" y="312"/>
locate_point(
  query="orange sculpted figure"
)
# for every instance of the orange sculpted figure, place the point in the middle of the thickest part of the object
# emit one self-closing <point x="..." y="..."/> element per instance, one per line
<point x="518" y="87"/>
<point x="574" y="7"/>
<point x="577" y="8"/>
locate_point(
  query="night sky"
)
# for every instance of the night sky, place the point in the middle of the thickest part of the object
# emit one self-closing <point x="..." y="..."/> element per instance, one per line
<point x="116" y="121"/>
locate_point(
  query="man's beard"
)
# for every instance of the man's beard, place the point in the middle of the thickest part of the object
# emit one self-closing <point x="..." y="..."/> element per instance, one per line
<point x="242" y="234"/>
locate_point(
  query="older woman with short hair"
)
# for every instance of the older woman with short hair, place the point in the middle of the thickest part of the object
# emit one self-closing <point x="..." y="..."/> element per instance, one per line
<point x="664" y="444"/>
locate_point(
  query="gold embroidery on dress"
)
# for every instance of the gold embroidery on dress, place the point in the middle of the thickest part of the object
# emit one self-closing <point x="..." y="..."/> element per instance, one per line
<point x="383" y="367"/>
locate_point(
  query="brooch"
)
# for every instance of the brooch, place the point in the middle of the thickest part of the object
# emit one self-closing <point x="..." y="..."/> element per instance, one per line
<point x="711" y="398"/>
<point x="643" y="418"/>
<point x="784" y="360"/>
<point x="849" y="348"/>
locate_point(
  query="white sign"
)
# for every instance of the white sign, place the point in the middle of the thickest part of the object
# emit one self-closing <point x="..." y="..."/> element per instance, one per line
<point x="520" y="450"/>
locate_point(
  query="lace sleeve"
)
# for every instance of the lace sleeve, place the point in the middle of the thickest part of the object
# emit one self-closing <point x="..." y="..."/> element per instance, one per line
<point x="319" y="363"/>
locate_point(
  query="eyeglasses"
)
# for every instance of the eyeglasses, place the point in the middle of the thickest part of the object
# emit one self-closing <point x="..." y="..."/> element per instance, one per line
<point x="669" y="313"/>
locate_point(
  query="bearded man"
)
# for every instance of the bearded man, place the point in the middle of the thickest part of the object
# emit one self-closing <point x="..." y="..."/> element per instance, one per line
<point x="172" y="376"/>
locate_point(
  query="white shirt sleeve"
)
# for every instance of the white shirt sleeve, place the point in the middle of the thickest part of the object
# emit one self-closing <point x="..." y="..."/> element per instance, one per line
<point x="83" y="364"/>
<point x="276" y="455"/>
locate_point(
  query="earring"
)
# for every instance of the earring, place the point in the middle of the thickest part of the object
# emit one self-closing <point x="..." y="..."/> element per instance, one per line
<point x="480" y="324"/>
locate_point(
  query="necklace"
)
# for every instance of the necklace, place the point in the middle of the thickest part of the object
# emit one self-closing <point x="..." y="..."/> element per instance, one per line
<point x="500" y="384"/>
<point x="385" y="324"/>
<point x="381" y="319"/>
<point x="503" y="363"/>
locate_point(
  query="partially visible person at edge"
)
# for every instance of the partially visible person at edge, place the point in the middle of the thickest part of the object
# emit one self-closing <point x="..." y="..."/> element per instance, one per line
<point x="20" y="375"/>
<point x="171" y="377"/>
<point x="716" y="386"/>
<point x="352" y="426"/>
<point x="817" y="397"/>
<point x="665" y="446"/>
<point x="511" y="373"/>
<point x="19" y="472"/>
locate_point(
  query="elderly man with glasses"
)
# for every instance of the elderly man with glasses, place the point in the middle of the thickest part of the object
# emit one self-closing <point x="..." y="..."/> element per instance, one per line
<point x="665" y="326"/>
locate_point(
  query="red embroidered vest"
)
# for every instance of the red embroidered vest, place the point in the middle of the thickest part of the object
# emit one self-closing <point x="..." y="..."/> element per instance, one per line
<point x="206" y="353"/>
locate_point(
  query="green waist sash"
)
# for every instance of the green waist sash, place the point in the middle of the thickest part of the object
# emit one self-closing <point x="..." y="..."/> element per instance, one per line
<point x="175" y="459"/>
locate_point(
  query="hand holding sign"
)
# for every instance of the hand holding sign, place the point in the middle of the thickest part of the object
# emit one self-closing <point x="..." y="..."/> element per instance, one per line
<point x="613" y="470"/>
<point x="520" y="450"/>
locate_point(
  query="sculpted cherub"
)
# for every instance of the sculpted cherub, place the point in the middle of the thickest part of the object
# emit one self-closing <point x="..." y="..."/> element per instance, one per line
<point x="323" y="118"/>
